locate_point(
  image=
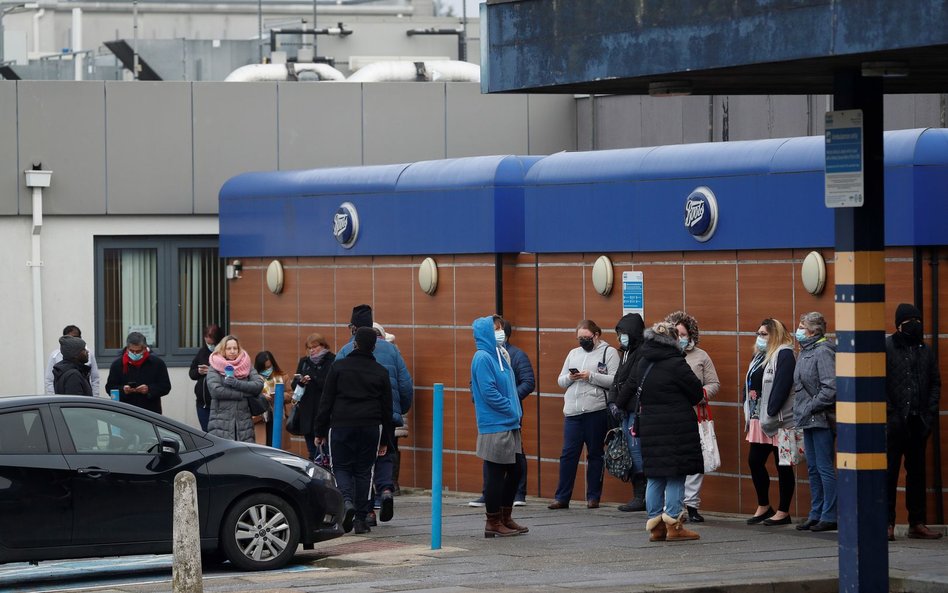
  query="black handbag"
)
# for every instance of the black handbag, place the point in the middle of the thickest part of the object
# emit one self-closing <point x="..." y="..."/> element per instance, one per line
<point x="294" y="421"/>
<point x="258" y="405"/>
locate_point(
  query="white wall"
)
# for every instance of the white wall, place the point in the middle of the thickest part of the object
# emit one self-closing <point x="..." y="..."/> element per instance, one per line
<point x="69" y="292"/>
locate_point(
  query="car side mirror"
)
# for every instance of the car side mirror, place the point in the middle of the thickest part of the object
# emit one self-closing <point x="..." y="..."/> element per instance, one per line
<point x="169" y="446"/>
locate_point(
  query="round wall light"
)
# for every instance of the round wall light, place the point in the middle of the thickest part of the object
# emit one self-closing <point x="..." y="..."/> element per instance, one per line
<point x="275" y="277"/>
<point x="603" y="275"/>
<point x="813" y="273"/>
<point x="428" y="276"/>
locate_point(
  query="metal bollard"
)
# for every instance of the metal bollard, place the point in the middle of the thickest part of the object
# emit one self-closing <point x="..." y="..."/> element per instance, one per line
<point x="278" y="397"/>
<point x="437" y="448"/>
<point x="186" y="571"/>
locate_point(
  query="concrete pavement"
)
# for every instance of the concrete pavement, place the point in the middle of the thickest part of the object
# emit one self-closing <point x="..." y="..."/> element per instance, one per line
<point x="596" y="550"/>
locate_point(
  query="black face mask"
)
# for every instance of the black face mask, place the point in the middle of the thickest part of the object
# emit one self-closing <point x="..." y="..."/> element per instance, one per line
<point x="912" y="329"/>
<point x="586" y="344"/>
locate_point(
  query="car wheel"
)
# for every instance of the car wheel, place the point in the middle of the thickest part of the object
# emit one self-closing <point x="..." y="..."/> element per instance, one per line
<point x="260" y="532"/>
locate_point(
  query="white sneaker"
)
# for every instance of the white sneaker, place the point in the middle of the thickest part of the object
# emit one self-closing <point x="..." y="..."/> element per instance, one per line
<point x="478" y="502"/>
<point x="520" y="503"/>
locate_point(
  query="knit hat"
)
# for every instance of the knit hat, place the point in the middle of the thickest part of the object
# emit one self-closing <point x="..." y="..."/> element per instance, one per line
<point x="365" y="338"/>
<point x="382" y="333"/>
<point x="361" y="316"/>
<point x="71" y="347"/>
<point x="906" y="311"/>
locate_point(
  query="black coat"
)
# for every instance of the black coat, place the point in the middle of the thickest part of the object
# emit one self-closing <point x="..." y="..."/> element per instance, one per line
<point x="152" y="372"/>
<point x="202" y="397"/>
<point x="912" y="383"/>
<point x="668" y="426"/>
<point x="358" y="392"/>
<point x="622" y="390"/>
<point x="309" y="404"/>
<point x="71" y="378"/>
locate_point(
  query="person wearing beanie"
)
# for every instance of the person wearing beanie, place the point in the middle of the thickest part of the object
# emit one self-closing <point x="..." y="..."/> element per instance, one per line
<point x="355" y="418"/>
<point x="71" y="375"/>
<point x="387" y="355"/>
<point x="55" y="356"/>
<point x="912" y="389"/>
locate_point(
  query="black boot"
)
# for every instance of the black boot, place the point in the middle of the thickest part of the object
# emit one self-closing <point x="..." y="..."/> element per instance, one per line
<point x="638" y="495"/>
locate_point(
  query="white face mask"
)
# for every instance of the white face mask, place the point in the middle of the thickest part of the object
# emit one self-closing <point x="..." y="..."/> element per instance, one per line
<point x="624" y="340"/>
<point x="500" y="337"/>
<point x="761" y="343"/>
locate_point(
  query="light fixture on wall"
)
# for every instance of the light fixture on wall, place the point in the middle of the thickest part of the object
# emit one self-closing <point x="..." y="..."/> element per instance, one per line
<point x="813" y="273"/>
<point x="232" y="270"/>
<point x="428" y="276"/>
<point x="275" y="277"/>
<point x="603" y="275"/>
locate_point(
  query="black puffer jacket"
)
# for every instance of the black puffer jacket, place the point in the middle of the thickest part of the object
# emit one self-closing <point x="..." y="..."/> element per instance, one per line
<point x="622" y="389"/>
<point x="71" y="378"/>
<point x="668" y="426"/>
<point x="358" y="392"/>
<point x="309" y="404"/>
<point x="912" y="382"/>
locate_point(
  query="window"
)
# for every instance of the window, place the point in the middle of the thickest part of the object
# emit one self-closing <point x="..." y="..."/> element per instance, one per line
<point x="22" y="432"/>
<point x="165" y="288"/>
<point x="95" y="430"/>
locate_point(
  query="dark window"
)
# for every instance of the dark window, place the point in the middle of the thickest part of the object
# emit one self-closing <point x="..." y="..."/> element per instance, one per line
<point x="22" y="432"/>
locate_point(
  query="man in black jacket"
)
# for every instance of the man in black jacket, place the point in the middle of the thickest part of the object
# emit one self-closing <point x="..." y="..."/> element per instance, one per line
<point x="355" y="416"/>
<point x="140" y="376"/>
<point x="71" y="375"/>
<point x="913" y="387"/>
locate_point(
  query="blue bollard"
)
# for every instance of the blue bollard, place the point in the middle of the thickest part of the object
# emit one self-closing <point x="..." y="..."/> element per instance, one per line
<point x="278" y="415"/>
<point x="437" y="447"/>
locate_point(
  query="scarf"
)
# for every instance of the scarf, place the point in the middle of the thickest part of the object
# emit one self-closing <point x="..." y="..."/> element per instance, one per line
<point x="126" y="361"/>
<point x="316" y="359"/>
<point x="755" y="364"/>
<point x="241" y="364"/>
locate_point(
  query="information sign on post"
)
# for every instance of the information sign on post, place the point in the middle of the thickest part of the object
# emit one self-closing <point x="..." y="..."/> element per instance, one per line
<point x="633" y="293"/>
<point x="845" y="184"/>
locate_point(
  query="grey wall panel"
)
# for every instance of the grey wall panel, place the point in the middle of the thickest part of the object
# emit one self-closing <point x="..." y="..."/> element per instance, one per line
<point x="748" y="117"/>
<point x="584" y="123"/>
<point x="661" y="121"/>
<point x="619" y="121"/>
<point x="696" y="119"/>
<point x="484" y="124"/>
<point x="928" y="111"/>
<point x="552" y="123"/>
<point x="11" y="176"/>
<point x="148" y="147"/>
<point x="235" y="131"/>
<point x="320" y="125"/>
<point x="787" y="116"/>
<point x="404" y="122"/>
<point x="899" y="112"/>
<point x="62" y="125"/>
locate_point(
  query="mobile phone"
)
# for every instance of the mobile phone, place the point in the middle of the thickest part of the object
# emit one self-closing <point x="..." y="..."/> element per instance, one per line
<point x="574" y="371"/>
<point x="132" y="384"/>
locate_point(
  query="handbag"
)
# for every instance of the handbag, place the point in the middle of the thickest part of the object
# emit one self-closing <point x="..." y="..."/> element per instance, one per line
<point x="294" y="421"/>
<point x="618" y="459"/>
<point x="709" y="441"/>
<point x="790" y="446"/>
<point x="258" y="405"/>
<point x="637" y="402"/>
<point x="322" y="458"/>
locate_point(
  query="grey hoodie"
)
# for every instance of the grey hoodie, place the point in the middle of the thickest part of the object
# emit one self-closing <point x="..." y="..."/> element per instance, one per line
<point x="588" y="396"/>
<point x="814" y="386"/>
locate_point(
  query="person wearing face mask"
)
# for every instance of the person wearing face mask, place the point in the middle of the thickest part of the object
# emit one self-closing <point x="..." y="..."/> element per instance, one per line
<point x="814" y="411"/>
<point x="311" y="372"/>
<point x="587" y="375"/>
<point x="230" y="381"/>
<point x="622" y="403"/>
<point x="768" y="406"/>
<point x="268" y="368"/>
<point x="700" y="363"/>
<point x="140" y="376"/>
<point x="913" y="388"/>
<point x="198" y="372"/>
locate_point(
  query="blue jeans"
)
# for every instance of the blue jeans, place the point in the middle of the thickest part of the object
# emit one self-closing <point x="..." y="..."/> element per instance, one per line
<point x="634" y="443"/>
<point x="204" y="415"/>
<point x="664" y="494"/>
<point x="818" y="443"/>
<point x="589" y="429"/>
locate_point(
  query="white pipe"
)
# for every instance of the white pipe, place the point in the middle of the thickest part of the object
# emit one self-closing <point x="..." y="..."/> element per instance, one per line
<point x="36" y="29"/>
<point x="77" y="58"/>
<point x="124" y="8"/>
<point x="36" y="267"/>
<point x="280" y="72"/>
<point x="405" y="71"/>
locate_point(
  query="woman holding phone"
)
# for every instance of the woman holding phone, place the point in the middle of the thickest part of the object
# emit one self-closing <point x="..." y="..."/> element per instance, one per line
<point x="310" y="375"/>
<point x="230" y="381"/>
<point x="213" y="334"/>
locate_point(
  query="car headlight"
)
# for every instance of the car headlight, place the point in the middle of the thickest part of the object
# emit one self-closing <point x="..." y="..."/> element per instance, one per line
<point x="307" y="467"/>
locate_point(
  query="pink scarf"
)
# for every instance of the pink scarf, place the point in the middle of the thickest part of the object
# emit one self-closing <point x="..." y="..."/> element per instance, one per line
<point x="241" y="365"/>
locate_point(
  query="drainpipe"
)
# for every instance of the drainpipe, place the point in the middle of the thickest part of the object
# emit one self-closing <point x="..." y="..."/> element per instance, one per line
<point x="936" y="431"/>
<point x="499" y="284"/>
<point x="36" y="29"/>
<point x="77" y="57"/>
<point x="37" y="179"/>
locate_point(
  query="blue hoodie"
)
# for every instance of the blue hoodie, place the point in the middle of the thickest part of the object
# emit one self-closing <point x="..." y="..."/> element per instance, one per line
<point x="492" y="383"/>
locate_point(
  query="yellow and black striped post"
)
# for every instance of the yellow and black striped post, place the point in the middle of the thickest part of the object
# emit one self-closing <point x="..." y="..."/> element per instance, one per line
<point x="860" y="356"/>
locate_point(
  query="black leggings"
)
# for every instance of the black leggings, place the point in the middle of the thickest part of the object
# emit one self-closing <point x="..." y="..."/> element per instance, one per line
<point x="500" y="486"/>
<point x="757" y="460"/>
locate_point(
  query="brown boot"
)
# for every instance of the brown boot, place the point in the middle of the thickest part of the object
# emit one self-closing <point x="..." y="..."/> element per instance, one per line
<point x="920" y="531"/>
<point x="676" y="529"/>
<point x="495" y="526"/>
<point x="656" y="529"/>
<point x="509" y="523"/>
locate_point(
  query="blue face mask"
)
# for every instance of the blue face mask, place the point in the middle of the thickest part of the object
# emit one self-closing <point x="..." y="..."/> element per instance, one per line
<point x="500" y="337"/>
<point x="624" y="340"/>
<point x="136" y="356"/>
<point x="210" y="347"/>
<point x="683" y="343"/>
<point x="761" y="343"/>
<point x="800" y="335"/>
<point x="267" y="372"/>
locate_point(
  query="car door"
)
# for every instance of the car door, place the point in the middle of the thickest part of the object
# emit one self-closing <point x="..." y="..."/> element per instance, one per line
<point x="123" y="487"/>
<point x="35" y="503"/>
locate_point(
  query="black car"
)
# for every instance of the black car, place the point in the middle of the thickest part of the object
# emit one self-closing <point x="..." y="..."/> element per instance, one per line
<point x="83" y="477"/>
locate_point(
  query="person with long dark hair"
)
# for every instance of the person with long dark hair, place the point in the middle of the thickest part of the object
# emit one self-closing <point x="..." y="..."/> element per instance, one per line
<point x="268" y="368"/>
<point x="212" y="336"/>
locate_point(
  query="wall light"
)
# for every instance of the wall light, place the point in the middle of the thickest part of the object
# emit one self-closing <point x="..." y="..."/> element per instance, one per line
<point x="232" y="270"/>
<point x="603" y="275"/>
<point x="428" y="276"/>
<point x="813" y="273"/>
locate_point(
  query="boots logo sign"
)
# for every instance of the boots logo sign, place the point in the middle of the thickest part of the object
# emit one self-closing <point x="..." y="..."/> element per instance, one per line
<point x="701" y="214"/>
<point x="345" y="225"/>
